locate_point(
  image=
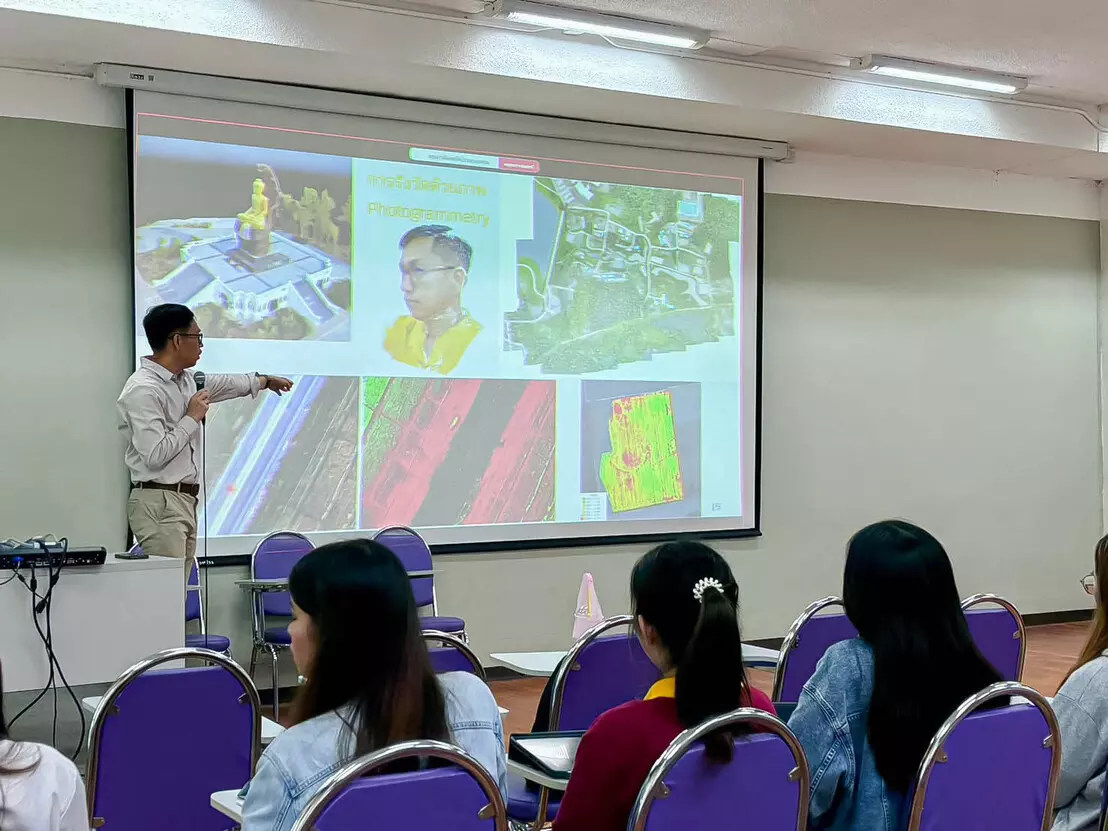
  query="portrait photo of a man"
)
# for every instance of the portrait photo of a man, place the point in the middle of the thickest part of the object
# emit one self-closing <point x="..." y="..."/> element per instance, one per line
<point x="434" y="269"/>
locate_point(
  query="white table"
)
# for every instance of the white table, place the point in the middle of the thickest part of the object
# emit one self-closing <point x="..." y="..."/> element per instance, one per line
<point x="537" y="776"/>
<point x="270" y="728"/>
<point x="228" y="804"/>
<point x="105" y="619"/>
<point x="543" y="664"/>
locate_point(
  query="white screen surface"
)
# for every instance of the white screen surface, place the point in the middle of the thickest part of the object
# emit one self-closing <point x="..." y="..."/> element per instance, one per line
<point x="494" y="338"/>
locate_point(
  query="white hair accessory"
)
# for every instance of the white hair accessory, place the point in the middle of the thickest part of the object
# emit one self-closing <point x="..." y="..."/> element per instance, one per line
<point x="702" y="584"/>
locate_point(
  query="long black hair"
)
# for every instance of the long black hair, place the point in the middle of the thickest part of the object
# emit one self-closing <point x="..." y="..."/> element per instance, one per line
<point x="900" y="594"/>
<point x="369" y="650"/>
<point x="701" y="635"/>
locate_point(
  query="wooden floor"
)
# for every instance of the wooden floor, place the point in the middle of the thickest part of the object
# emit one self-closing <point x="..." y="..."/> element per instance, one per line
<point x="1051" y="651"/>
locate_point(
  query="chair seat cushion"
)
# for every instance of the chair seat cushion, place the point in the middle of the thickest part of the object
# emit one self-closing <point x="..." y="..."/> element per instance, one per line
<point x="277" y="635"/>
<point x="523" y="801"/>
<point x="217" y="643"/>
<point x="450" y="625"/>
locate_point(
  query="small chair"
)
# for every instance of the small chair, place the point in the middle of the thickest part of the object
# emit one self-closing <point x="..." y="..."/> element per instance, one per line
<point x="991" y="769"/>
<point x="163" y="741"/>
<point x="273" y="559"/>
<point x="807" y="640"/>
<point x="766" y="782"/>
<point x="194" y="611"/>
<point x="413" y="551"/>
<point x="998" y="632"/>
<point x="1102" y="823"/>
<point x="598" y="673"/>
<point x="452" y="654"/>
<point x="462" y="797"/>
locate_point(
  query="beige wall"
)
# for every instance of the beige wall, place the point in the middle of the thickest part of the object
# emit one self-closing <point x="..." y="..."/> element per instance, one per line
<point x="935" y="364"/>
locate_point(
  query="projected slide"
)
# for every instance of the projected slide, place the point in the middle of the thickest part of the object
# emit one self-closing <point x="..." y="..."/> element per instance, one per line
<point x="487" y="346"/>
<point x="617" y="273"/>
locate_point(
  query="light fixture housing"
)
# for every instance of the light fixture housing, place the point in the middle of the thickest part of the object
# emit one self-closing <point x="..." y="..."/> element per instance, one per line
<point x="581" y="21"/>
<point x="943" y="74"/>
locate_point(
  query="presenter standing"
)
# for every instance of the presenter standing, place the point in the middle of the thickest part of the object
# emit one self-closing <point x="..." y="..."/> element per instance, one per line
<point x="160" y="412"/>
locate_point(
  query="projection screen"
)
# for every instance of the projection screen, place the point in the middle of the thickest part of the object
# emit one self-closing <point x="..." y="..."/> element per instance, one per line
<point x="495" y="338"/>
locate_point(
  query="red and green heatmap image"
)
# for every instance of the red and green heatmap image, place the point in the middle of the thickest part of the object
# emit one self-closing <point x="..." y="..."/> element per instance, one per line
<point x="456" y="452"/>
<point x="643" y="467"/>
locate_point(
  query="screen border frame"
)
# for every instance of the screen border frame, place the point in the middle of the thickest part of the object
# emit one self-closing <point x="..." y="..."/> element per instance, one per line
<point x="504" y="546"/>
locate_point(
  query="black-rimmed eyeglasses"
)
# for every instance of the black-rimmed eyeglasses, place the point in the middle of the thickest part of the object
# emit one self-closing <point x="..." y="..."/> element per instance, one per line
<point x="1088" y="583"/>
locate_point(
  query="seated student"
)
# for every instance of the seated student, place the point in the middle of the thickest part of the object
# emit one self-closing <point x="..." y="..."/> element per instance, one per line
<point x="356" y="638"/>
<point x="685" y="600"/>
<point x="866" y="716"/>
<point x="40" y="789"/>
<point x="1082" y="709"/>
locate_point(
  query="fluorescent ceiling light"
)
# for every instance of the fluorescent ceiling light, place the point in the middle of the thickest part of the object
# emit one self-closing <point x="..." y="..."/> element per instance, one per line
<point x="934" y="73"/>
<point x="579" y="21"/>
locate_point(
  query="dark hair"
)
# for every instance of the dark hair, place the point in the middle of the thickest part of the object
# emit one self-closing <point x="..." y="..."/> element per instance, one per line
<point x="701" y="636"/>
<point x="163" y="322"/>
<point x="442" y="239"/>
<point x="900" y="594"/>
<point x="369" y="649"/>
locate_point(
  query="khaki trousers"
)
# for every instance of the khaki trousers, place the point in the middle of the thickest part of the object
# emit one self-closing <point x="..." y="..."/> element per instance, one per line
<point x="164" y="524"/>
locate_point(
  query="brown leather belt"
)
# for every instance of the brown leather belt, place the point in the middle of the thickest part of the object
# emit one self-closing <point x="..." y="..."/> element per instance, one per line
<point x="180" y="487"/>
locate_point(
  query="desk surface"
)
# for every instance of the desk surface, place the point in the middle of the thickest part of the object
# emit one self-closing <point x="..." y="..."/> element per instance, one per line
<point x="228" y="804"/>
<point x="536" y="776"/>
<point x="282" y="583"/>
<point x="270" y="728"/>
<point x="543" y="664"/>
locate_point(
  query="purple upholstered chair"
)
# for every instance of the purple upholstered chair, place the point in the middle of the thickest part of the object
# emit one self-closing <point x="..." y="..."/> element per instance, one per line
<point x="163" y="741"/>
<point x="998" y="632"/>
<point x="415" y="554"/>
<point x="993" y="770"/>
<point x="273" y="559"/>
<point x="765" y="786"/>
<point x="1102" y="823"/>
<point x="194" y="611"/>
<point x="601" y="671"/>
<point x="462" y="797"/>
<point x="451" y="654"/>
<point x="808" y="638"/>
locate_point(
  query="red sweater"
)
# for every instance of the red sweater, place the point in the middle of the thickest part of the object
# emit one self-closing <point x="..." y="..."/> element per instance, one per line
<point x="614" y="758"/>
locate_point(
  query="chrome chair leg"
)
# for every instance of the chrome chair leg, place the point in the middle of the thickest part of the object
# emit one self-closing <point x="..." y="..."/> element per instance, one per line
<point x="253" y="660"/>
<point x="276" y="672"/>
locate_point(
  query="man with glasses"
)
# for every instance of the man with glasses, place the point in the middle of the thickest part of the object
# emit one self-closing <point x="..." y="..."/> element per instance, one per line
<point x="434" y="267"/>
<point x="160" y="412"/>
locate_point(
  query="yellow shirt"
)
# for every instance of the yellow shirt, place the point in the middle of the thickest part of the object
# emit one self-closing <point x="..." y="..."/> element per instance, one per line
<point x="406" y="341"/>
<point x="665" y="688"/>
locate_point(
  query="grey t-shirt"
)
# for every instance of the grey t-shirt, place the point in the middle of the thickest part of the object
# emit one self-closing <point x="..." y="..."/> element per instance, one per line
<point x="1082" y="710"/>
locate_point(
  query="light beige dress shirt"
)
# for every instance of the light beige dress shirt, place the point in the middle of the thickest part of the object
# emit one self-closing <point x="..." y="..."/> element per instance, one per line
<point x="163" y="441"/>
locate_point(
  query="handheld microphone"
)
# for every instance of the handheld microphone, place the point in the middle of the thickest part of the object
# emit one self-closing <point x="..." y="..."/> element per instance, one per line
<point x="200" y="380"/>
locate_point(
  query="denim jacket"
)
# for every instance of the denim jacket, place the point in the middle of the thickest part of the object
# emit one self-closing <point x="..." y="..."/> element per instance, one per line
<point x="830" y="720"/>
<point x="300" y="760"/>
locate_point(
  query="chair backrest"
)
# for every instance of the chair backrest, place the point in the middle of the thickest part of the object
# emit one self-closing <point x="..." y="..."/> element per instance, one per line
<point x="1102" y="824"/>
<point x="601" y="671"/>
<point x="463" y="797"/>
<point x="413" y="551"/>
<point x="765" y="786"/>
<point x="193" y="607"/>
<point x="452" y="654"/>
<point x="163" y="741"/>
<point x="273" y="559"/>
<point x="998" y="632"/>
<point x="807" y="639"/>
<point x="994" y="768"/>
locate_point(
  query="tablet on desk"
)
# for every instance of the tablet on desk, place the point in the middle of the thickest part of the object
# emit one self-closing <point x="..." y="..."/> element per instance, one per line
<point x="549" y="753"/>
